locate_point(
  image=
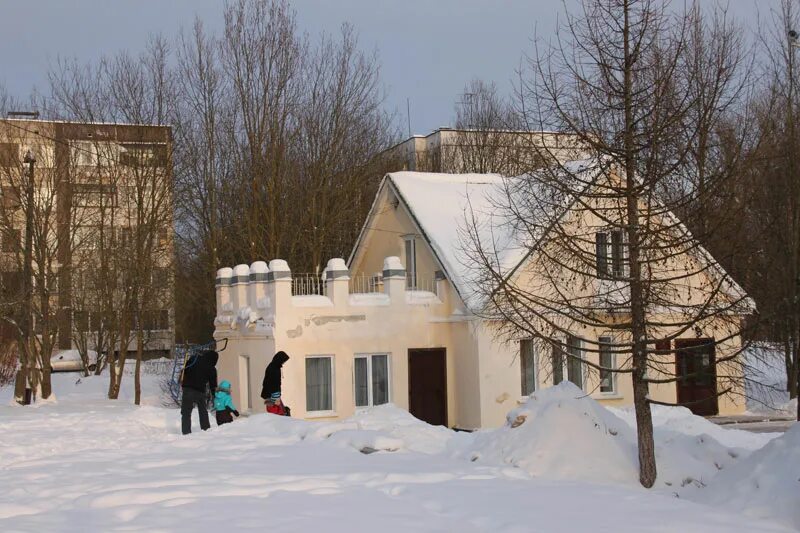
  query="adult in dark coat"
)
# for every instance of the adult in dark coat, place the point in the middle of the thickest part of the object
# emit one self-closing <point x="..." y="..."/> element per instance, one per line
<point x="200" y="371"/>
<point x="271" y="387"/>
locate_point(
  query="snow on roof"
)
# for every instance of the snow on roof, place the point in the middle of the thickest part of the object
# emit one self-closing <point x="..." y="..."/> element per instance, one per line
<point x="440" y="203"/>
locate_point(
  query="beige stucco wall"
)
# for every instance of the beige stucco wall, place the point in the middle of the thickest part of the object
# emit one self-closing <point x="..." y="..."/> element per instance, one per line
<point x="395" y="225"/>
<point x="484" y="377"/>
<point x="258" y="322"/>
<point x="691" y="284"/>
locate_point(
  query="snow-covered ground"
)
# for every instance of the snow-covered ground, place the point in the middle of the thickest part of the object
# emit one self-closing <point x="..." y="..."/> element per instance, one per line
<point x="83" y="463"/>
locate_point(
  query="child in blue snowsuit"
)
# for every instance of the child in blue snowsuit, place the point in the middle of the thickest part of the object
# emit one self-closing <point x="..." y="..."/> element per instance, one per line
<point x="223" y="404"/>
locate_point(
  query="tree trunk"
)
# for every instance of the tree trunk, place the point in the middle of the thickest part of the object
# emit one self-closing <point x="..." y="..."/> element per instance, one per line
<point x="120" y="366"/>
<point x="791" y="356"/>
<point x="45" y="384"/>
<point x="797" y="384"/>
<point x="123" y="355"/>
<point x="644" y="426"/>
<point x="644" y="419"/>
<point x="20" y="384"/>
<point x="112" y="374"/>
<point x="137" y="386"/>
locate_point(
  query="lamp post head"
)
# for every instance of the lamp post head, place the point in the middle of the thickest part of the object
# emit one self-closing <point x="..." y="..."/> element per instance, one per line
<point x="29" y="157"/>
<point x="794" y="38"/>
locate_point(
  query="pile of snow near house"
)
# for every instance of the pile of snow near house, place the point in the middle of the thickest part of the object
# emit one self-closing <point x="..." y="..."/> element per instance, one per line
<point x="562" y="433"/>
<point x="764" y="485"/>
<point x="562" y="463"/>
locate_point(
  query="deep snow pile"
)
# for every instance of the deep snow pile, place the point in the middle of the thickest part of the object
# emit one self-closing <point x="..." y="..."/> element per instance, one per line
<point x="681" y="420"/>
<point x="84" y="463"/>
<point x="561" y="433"/>
<point x="764" y="485"/>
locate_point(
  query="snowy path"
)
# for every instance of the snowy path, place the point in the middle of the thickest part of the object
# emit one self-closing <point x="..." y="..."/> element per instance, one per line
<point x="93" y="465"/>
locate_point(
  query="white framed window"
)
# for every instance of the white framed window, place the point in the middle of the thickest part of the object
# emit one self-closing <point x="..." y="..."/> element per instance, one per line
<point x="410" y="242"/>
<point x="610" y="254"/>
<point x="527" y="362"/>
<point x="567" y="360"/>
<point x="575" y="361"/>
<point x="319" y="383"/>
<point x="608" y="379"/>
<point x="557" y="362"/>
<point x="371" y="379"/>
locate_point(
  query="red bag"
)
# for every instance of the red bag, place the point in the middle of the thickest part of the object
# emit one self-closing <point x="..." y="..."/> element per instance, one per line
<point x="276" y="409"/>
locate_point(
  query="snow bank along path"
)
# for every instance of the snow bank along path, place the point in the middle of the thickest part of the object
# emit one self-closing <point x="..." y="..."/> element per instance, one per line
<point x="765" y="485"/>
<point x="87" y="464"/>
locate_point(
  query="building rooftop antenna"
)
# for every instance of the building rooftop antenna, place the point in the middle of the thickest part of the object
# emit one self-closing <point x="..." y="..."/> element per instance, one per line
<point x="408" y="115"/>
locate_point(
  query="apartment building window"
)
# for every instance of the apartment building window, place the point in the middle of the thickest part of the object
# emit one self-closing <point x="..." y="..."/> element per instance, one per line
<point x="10" y="198"/>
<point x="124" y="237"/>
<point x="84" y="154"/>
<point x="86" y="237"/>
<point x="411" y="261"/>
<point x="527" y="360"/>
<point x="319" y="383"/>
<point x="12" y="240"/>
<point x="9" y="155"/>
<point x="10" y="283"/>
<point x="80" y="320"/>
<point x="608" y="381"/>
<point x="155" y="320"/>
<point x="610" y="254"/>
<point x="371" y="379"/>
<point x="94" y="195"/>
<point x="143" y="155"/>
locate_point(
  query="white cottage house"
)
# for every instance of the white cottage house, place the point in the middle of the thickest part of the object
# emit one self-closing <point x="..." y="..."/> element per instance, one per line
<point x="392" y="324"/>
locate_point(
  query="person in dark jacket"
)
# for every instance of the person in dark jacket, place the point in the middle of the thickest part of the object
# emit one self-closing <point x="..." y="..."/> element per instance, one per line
<point x="271" y="388"/>
<point x="200" y="371"/>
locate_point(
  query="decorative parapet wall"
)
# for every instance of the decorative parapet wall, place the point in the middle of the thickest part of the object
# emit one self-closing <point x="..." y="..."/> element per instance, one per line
<point x="251" y="298"/>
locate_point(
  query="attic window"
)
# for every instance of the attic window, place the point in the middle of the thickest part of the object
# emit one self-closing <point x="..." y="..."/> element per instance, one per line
<point x="610" y="254"/>
<point x="393" y="200"/>
<point x="411" y="261"/>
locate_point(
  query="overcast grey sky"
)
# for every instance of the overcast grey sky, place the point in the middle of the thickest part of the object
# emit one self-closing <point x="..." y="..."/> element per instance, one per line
<point x="428" y="48"/>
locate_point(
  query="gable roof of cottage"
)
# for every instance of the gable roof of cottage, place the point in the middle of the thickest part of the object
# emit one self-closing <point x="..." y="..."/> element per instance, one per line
<point x="443" y="205"/>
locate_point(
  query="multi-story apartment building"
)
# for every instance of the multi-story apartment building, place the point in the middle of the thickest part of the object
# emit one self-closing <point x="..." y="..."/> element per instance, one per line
<point x="505" y="152"/>
<point x="101" y="234"/>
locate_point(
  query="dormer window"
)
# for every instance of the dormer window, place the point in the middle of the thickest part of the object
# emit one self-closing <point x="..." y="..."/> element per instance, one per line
<point x="610" y="254"/>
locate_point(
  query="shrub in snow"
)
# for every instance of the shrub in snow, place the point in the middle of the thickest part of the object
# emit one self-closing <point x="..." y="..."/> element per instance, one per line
<point x="765" y="485"/>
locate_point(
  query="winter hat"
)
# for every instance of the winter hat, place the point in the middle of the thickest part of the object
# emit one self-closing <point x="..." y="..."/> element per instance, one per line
<point x="224" y="386"/>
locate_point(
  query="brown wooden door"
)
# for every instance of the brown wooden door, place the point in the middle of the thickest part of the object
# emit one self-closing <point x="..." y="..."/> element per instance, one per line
<point x="427" y="385"/>
<point x="697" y="375"/>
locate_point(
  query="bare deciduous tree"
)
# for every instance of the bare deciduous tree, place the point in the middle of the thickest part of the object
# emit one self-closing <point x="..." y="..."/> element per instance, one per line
<point x="614" y="283"/>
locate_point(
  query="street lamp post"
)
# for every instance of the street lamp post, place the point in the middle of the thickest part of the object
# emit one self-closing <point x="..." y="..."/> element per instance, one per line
<point x="27" y="279"/>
